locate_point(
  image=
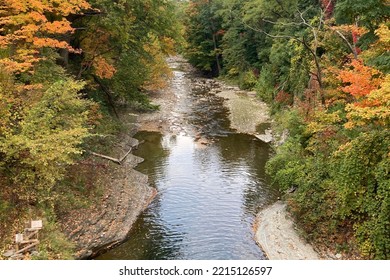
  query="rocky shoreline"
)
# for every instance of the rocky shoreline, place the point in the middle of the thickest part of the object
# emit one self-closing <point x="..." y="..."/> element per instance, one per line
<point x="107" y="223"/>
<point x="127" y="192"/>
<point x="275" y="231"/>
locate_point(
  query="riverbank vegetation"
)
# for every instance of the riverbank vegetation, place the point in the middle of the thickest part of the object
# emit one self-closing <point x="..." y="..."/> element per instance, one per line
<point x="65" y="68"/>
<point x="324" y="68"/>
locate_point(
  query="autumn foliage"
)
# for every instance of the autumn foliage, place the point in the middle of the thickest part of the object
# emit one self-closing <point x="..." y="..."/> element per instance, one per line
<point x="64" y="65"/>
<point x="359" y="80"/>
<point x="324" y="68"/>
<point x="343" y="150"/>
<point x="28" y="26"/>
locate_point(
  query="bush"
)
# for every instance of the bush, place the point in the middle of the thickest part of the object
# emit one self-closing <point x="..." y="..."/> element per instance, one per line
<point x="247" y="80"/>
<point x="265" y="86"/>
<point x="343" y="192"/>
<point x="44" y="139"/>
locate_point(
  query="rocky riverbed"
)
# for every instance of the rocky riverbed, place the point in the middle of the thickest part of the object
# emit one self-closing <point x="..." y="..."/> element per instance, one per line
<point x="127" y="192"/>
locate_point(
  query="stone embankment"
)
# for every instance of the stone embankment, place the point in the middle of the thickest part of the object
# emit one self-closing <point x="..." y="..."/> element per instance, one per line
<point x="108" y="222"/>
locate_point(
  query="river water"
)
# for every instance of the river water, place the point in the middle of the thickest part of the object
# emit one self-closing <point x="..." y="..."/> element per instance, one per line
<point x="210" y="179"/>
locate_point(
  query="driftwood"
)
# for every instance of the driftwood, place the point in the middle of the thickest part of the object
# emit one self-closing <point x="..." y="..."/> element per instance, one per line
<point x="116" y="160"/>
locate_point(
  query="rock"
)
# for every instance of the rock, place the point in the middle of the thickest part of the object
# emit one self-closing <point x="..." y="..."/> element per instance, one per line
<point x="203" y="141"/>
<point x="17" y="257"/>
<point x="338" y="256"/>
<point x="266" y="138"/>
<point x="108" y="222"/>
<point x="245" y="112"/>
<point x="292" y="189"/>
<point x="283" y="137"/>
<point x="34" y="253"/>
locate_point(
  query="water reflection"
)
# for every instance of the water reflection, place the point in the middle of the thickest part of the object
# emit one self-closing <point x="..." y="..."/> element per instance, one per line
<point x="208" y="195"/>
<point x="207" y="199"/>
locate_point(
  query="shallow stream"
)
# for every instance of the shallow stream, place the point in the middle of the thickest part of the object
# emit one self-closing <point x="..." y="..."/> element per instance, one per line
<point x="210" y="179"/>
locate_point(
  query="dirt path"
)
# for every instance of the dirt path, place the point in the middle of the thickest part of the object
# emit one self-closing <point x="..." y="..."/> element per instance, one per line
<point x="276" y="234"/>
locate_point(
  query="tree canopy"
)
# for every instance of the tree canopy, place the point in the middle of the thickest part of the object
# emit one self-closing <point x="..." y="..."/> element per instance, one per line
<point x="323" y="68"/>
<point x="322" y="65"/>
<point x="64" y="68"/>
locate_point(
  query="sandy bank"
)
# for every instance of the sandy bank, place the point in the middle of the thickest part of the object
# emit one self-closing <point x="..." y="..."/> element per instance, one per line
<point x="276" y="235"/>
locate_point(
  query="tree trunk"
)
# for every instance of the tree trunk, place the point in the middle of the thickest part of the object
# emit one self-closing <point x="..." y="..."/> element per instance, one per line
<point x="216" y="54"/>
<point x="108" y="94"/>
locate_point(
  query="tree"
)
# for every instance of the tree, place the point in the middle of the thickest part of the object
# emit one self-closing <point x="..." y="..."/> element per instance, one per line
<point x="359" y="80"/>
<point x="338" y="157"/>
<point x="39" y="139"/>
<point x="368" y="13"/>
<point x="378" y="55"/>
<point x="292" y="21"/>
<point x="123" y="45"/>
<point x="205" y="33"/>
<point x="27" y="27"/>
<point x="372" y="109"/>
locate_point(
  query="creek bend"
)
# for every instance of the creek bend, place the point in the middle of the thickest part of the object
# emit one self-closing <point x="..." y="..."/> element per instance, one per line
<point x="210" y="180"/>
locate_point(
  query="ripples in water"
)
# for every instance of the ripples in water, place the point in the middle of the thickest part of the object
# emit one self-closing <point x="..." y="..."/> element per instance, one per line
<point x="208" y="196"/>
<point x="207" y="200"/>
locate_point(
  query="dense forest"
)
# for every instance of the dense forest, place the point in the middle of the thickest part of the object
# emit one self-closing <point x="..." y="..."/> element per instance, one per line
<point x="66" y="68"/>
<point x="323" y="66"/>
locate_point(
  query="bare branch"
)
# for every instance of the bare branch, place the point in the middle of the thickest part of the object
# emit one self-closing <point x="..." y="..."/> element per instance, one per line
<point x="323" y="11"/>
<point x="346" y="41"/>
<point x="303" y="19"/>
<point x="282" y="23"/>
<point x="309" y="48"/>
<point x="311" y="27"/>
<point x="270" y="35"/>
<point x="118" y="161"/>
<point x="106" y="157"/>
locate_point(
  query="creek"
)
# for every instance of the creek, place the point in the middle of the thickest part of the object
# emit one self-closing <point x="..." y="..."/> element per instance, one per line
<point x="210" y="179"/>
